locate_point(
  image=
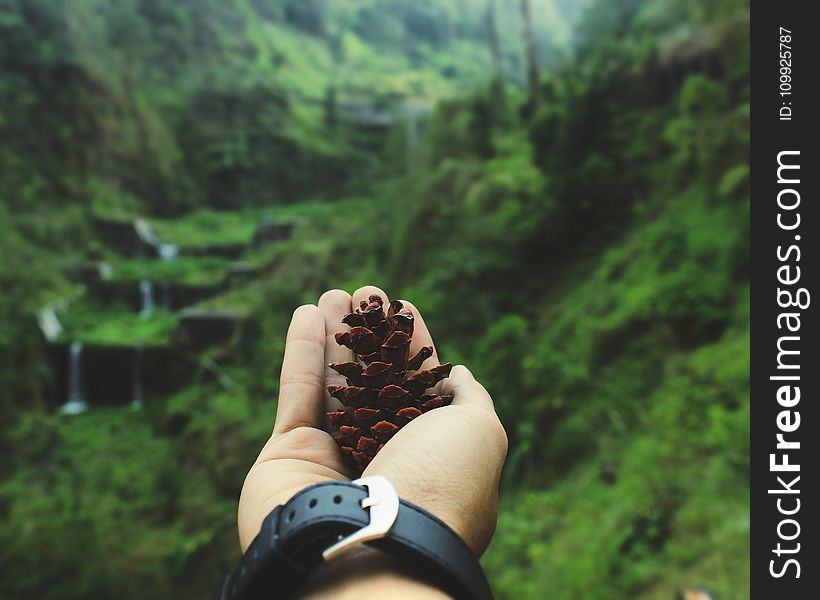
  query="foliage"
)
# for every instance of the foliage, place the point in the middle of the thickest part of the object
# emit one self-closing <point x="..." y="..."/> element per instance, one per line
<point x="597" y="253"/>
<point x="117" y="327"/>
<point x="182" y="271"/>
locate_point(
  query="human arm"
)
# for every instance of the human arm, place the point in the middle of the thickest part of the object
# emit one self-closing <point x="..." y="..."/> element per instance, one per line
<point x="447" y="461"/>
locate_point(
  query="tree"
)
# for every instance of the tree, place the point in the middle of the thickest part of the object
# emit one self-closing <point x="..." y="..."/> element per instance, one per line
<point x="532" y="59"/>
<point x="495" y="54"/>
<point x="492" y="38"/>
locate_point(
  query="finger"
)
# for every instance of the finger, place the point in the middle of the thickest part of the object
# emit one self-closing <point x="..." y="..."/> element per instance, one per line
<point x="466" y="391"/>
<point x="301" y="385"/>
<point x="363" y="293"/>
<point x="334" y="305"/>
<point x="421" y="337"/>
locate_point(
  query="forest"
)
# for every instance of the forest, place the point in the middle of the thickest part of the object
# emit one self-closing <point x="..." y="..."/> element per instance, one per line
<point x="560" y="186"/>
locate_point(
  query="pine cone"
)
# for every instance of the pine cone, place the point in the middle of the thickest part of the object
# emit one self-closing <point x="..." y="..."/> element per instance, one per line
<point x="381" y="395"/>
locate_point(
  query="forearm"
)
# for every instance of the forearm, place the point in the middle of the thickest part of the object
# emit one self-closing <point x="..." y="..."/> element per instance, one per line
<point x="368" y="573"/>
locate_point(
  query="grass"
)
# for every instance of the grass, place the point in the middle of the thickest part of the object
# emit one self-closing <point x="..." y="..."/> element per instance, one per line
<point x="205" y="228"/>
<point x="186" y="271"/>
<point x="92" y="325"/>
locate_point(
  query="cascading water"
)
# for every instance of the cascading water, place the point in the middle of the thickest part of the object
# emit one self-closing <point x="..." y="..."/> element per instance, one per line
<point x="146" y="298"/>
<point x="76" y="399"/>
<point x="168" y="251"/>
<point x="136" y="379"/>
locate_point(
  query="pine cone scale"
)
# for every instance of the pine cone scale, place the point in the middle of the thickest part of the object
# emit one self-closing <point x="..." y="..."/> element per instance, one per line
<point x="385" y="387"/>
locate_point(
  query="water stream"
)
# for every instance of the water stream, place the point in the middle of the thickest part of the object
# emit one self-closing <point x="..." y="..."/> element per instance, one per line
<point x="168" y="253"/>
<point x="146" y="297"/>
<point x="76" y="398"/>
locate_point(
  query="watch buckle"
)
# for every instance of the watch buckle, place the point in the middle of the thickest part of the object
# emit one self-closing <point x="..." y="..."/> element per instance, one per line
<point x="383" y="502"/>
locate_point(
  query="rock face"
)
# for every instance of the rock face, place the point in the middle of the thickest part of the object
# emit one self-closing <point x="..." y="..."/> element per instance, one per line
<point x="269" y="231"/>
<point x="242" y="271"/>
<point x="87" y="375"/>
<point x="108" y="376"/>
<point x="231" y="251"/>
<point x="131" y="238"/>
<point x="199" y="328"/>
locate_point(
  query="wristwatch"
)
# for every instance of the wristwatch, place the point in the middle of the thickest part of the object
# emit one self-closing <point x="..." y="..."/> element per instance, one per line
<point x="324" y="520"/>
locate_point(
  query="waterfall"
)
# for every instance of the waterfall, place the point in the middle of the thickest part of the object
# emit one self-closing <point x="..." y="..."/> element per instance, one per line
<point x="168" y="251"/>
<point x="76" y="400"/>
<point x="49" y="324"/>
<point x="136" y="379"/>
<point x="146" y="239"/>
<point x="146" y="297"/>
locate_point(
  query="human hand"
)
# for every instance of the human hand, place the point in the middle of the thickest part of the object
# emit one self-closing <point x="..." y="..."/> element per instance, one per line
<point x="448" y="460"/>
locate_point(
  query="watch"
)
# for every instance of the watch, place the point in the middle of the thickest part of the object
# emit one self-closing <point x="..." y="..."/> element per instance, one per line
<point x="324" y="520"/>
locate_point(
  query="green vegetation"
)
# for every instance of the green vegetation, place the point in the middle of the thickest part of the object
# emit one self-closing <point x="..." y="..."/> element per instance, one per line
<point x="206" y="227"/>
<point x="181" y="271"/>
<point x="118" y="327"/>
<point x="587" y="257"/>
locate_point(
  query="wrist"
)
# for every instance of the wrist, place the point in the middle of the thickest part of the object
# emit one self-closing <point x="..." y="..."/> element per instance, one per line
<point x="301" y="541"/>
<point x="368" y="572"/>
<point x="473" y="522"/>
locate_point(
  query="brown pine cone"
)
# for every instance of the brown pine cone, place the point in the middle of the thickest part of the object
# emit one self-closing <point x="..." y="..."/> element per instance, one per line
<point x="385" y="389"/>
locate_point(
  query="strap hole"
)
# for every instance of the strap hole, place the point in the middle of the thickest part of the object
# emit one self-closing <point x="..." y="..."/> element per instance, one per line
<point x="337" y="499"/>
<point x="291" y="514"/>
<point x="313" y="503"/>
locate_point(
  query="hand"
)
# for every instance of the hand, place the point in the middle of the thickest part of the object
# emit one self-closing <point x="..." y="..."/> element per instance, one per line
<point x="448" y="460"/>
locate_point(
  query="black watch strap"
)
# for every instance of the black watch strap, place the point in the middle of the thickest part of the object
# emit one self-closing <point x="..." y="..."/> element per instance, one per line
<point x="294" y="537"/>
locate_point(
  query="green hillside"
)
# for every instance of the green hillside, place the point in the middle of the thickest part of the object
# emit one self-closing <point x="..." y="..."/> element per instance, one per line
<point x="587" y="256"/>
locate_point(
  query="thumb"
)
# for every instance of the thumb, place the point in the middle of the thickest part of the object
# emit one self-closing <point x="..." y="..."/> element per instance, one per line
<point x="466" y="391"/>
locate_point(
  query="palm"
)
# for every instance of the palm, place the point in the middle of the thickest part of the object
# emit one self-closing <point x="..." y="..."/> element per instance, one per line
<point x="431" y="462"/>
<point x="289" y="462"/>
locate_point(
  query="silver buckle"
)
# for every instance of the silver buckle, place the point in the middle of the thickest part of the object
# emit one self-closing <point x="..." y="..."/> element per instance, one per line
<point x="383" y="502"/>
